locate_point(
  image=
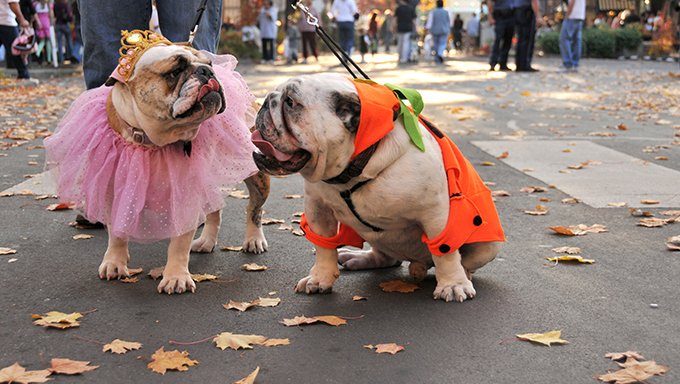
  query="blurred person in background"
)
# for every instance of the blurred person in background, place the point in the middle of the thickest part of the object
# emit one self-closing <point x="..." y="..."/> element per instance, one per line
<point x="405" y="15"/>
<point x="501" y="16"/>
<point x="345" y="12"/>
<point x="44" y="16"/>
<point x="268" y="30"/>
<point x="472" y="31"/>
<point x="387" y="29"/>
<point x="11" y="19"/>
<point x="527" y="17"/>
<point x="570" y="35"/>
<point x="308" y="32"/>
<point x="438" y="22"/>
<point x="373" y="32"/>
<point x="63" y="16"/>
<point x="457" y="32"/>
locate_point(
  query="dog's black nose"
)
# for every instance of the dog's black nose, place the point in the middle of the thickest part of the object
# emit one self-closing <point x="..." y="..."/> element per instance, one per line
<point x="204" y="71"/>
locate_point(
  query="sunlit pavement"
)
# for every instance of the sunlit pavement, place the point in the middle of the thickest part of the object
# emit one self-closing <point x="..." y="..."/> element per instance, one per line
<point x="620" y="118"/>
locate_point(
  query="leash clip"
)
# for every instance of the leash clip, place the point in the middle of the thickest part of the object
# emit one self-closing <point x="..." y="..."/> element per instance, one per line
<point x="311" y="20"/>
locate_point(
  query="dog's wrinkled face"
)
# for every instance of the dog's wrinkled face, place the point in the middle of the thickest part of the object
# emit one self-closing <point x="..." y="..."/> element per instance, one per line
<point x="172" y="90"/>
<point x="307" y="125"/>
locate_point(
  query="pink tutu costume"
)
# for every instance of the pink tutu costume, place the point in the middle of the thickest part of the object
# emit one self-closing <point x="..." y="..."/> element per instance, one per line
<point x="147" y="194"/>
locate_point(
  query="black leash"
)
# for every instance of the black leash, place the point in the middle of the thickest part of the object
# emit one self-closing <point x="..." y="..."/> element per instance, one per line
<point x="197" y="20"/>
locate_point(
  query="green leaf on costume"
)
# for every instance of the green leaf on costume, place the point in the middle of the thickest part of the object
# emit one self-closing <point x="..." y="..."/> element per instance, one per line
<point x="410" y="115"/>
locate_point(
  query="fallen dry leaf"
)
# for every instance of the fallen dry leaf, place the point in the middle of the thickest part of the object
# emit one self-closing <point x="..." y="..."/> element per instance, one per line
<point x="156" y="273"/>
<point x="545" y="199"/>
<point x="302" y="320"/>
<point x="579" y="230"/>
<point x="616" y="356"/>
<point x="539" y="210"/>
<point x="259" y="302"/>
<point x="503" y="155"/>
<point x="161" y="361"/>
<point x="7" y="251"/>
<point x="654" y="222"/>
<point x="649" y="201"/>
<point x="398" y="286"/>
<point x="70" y="367"/>
<point x="276" y="342"/>
<point x="670" y="213"/>
<point x="634" y="372"/>
<point x="569" y="250"/>
<point x="571" y="200"/>
<point x="202" y="277"/>
<point x="238" y="194"/>
<point x="129" y="280"/>
<point x="500" y="193"/>
<point x="548" y="338"/>
<point x="253" y="267"/>
<point x="59" y="320"/>
<point x="267" y="301"/>
<point x="232" y="248"/>
<point x="673" y="243"/>
<point x="135" y="271"/>
<point x="617" y="204"/>
<point x="567" y="258"/>
<point x="622" y="127"/>
<point x="488" y="163"/>
<point x="15" y="373"/>
<point x="119" y="346"/>
<point x="390" y="348"/>
<point x="639" y="213"/>
<point x="298" y="232"/>
<point x="292" y="197"/>
<point x="358" y="298"/>
<point x="238" y="305"/>
<point x="270" y="221"/>
<point x="235" y="341"/>
<point x="602" y="134"/>
<point x="533" y="189"/>
<point x="82" y="236"/>
<point x="250" y="379"/>
<point x="525" y="93"/>
<point x="59" y="206"/>
<point x="661" y="158"/>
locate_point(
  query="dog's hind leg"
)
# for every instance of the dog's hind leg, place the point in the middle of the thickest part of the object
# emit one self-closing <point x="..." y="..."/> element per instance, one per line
<point x="356" y="259"/>
<point x="476" y="255"/>
<point x="208" y="239"/>
<point x="114" y="264"/>
<point x="258" y="189"/>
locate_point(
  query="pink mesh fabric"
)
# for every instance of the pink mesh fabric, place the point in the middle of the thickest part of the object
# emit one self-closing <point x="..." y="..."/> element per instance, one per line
<point x="148" y="194"/>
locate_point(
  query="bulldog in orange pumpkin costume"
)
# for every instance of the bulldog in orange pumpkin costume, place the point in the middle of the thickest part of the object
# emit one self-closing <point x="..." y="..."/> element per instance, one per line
<point x="366" y="181"/>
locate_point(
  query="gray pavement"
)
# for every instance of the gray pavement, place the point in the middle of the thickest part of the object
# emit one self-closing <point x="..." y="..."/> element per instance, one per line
<point x="600" y="308"/>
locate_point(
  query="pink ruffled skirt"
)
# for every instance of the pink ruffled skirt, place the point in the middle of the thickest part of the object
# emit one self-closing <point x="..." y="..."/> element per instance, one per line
<point x="148" y="194"/>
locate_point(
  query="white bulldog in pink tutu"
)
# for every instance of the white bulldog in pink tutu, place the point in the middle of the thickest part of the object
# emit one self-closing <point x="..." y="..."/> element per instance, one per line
<point x="153" y="153"/>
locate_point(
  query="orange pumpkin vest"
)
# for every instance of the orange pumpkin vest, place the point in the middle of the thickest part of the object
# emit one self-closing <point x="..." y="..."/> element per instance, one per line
<point x="472" y="212"/>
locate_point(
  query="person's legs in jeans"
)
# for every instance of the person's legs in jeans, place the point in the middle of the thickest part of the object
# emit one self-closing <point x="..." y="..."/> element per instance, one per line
<point x="566" y="39"/>
<point x="346" y="35"/>
<point x="508" y="32"/>
<point x="7" y="36"/>
<point x="176" y="20"/>
<point x="59" y="34"/>
<point x="403" y="46"/>
<point x="66" y="31"/>
<point x="101" y="23"/>
<point x="439" y="41"/>
<point x="523" y="36"/>
<point x="77" y="45"/>
<point x="305" y="43"/>
<point x="576" y="42"/>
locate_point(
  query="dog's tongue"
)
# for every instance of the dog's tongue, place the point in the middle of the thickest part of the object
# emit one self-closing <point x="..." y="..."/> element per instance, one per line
<point x="267" y="148"/>
<point x="211" y="85"/>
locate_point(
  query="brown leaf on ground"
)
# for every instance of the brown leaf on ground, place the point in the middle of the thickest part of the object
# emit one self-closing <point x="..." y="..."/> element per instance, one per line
<point x="119" y="346"/>
<point x="572" y="258"/>
<point x="670" y="213"/>
<point x="241" y="306"/>
<point x="135" y="271"/>
<point x="358" y="298"/>
<point x="129" y="280"/>
<point x="58" y="320"/>
<point x="270" y="221"/>
<point x="298" y="232"/>
<point x="673" y="243"/>
<point x="15" y="373"/>
<point x="7" y="251"/>
<point x="569" y="250"/>
<point x="570" y="200"/>
<point x="156" y="273"/>
<point x="545" y="199"/>
<point x="292" y="196"/>
<point x="602" y="134"/>
<point x="500" y="192"/>
<point x="634" y="372"/>
<point x="653" y="222"/>
<point x="232" y="248"/>
<point x="503" y="155"/>
<point x="488" y="163"/>
<point x="398" y="285"/>
<point x="617" y="204"/>
<point x="59" y="206"/>
<point x="70" y="367"/>
<point x="539" y="210"/>
<point x="250" y="379"/>
<point x="534" y="189"/>
<point x="199" y="277"/>
<point x="162" y="361"/>
<point x="82" y="236"/>
<point x="639" y="213"/>
<point x="548" y="338"/>
<point x="253" y="267"/>
<point x="622" y="127"/>
<point x="302" y="320"/>
<point x="235" y="341"/>
<point x="276" y="342"/>
<point x="649" y="201"/>
<point x="616" y="356"/>
<point x="267" y="301"/>
<point x="579" y="230"/>
<point x="391" y="348"/>
<point x="238" y="194"/>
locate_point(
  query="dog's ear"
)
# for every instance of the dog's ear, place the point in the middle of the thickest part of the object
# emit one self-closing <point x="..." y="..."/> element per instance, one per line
<point x="348" y="109"/>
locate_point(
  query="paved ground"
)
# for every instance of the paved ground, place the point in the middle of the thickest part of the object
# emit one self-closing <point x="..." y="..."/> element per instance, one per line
<point x="600" y="308"/>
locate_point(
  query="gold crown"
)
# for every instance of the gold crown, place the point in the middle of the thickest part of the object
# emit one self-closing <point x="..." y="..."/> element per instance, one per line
<point x="133" y="45"/>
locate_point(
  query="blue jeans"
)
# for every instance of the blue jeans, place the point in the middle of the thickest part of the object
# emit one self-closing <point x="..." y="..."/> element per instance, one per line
<point x="570" y="42"/>
<point x="439" y="43"/>
<point x="346" y="35"/>
<point x="63" y="32"/>
<point x="102" y="21"/>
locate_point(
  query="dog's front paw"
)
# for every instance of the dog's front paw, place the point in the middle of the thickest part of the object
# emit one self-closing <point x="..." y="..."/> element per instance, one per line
<point x="204" y="244"/>
<point x="255" y="241"/>
<point x="460" y="291"/>
<point x="114" y="265"/>
<point x="176" y="282"/>
<point x="312" y="284"/>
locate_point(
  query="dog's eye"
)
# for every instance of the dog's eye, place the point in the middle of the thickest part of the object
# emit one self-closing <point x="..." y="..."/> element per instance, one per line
<point x="175" y="72"/>
<point x="290" y="102"/>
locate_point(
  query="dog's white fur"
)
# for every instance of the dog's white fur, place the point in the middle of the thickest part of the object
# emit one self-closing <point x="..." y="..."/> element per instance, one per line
<point x="408" y="194"/>
<point x="146" y="102"/>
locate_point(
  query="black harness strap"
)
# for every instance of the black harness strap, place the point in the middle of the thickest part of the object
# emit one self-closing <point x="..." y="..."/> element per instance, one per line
<point x="347" y="197"/>
<point x="355" y="167"/>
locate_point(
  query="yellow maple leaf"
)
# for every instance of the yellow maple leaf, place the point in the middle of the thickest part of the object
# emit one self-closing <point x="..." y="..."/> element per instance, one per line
<point x="250" y="379"/>
<point x="266" y="301"/>
<point x="238" y="305"/>
<point x="569" y="250"/>
<point x="552" y="337"/>
<point x="253" y="267"/>
<point x="121" y="346"/>
<point x="235" y="341"/>
<point x="70" y="367"/>
<point x="15" y="373"/>
<point x="302" y="320"/>
<point x="634" y="372"/>
<point x="55" y="319"/>
<point x="161" y="361"/>
<point x="567" y="258"/>
<point x="203" y="277"/>
<point x="398" y="286"/>
<point x="331" y="320"/>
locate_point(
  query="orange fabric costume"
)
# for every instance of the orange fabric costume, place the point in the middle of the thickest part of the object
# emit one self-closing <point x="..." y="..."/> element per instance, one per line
<point x="472" y="213"/>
